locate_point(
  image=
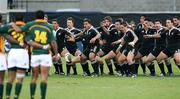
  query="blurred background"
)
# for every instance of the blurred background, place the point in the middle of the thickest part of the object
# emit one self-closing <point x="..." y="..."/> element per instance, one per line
<point x="94" y="9"/>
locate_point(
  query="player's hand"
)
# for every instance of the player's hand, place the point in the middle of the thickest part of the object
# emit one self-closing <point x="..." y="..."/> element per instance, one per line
<point x="12" y="23"/>
<point x="146" y="36"/>
<point x="132" y="44"/>
<point x="101" y="42"/>
<point x="56" y="58"/>
<point x="114" y="43"/>
<point x="118" y="49"/>
<point x="70" y="38"/>
<point x="92" y="40"/>
<point x="22" y="45"/>
<point x="46" y="47"/>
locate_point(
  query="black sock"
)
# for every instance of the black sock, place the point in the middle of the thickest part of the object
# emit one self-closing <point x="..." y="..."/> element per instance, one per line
<point x="151" y="69"/>
<point x="18" y="88"/>
<point x="56" y="68"/>
<point x="85" y="67"/>
<point x="129" y="69"/>
<point x="1" y="91"/>
<point x="143" y="66"/>
<point x="178" y="66"/>
<point x="161" y="66"/>
<point x="169" y="67"/>
<point x="110" y="67"/>
<point x="126" y="69"/>
<point x="101" y="66"/>
<point x="32" y="90"/>
<point x="95" y="67"/>
<point x="60" y="68"/>
<point x="43" y="87"/>
<point x="68" y="67"/>
<point x="74" y="69"/>
<point x="8" y="90"/>
<point x="121" y="68"/>
<point x="132" y="66"/>
<point x="116" y="66"/>
<point x="136" y="67"/>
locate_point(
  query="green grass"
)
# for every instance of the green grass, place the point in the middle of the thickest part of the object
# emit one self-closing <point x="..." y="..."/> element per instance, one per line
<point x="108" y="87"/>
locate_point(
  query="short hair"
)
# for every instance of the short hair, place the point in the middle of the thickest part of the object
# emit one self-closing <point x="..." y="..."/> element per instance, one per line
<point x="124" y="23"/>
<point x="19" y="17"/>
<point x="39" y="14"/>
<point x="170" y="19"/>
<point x="143" y="16"/>
<point x="87" y="20"/>
<point x="55" y="20"/>
<point x="147" y="19"/>
<point x="120" y="20"/>
<point x="157" y="20"/>
<point x="0" y="17"/>
<point x="71" y="19"/>
<point x="176" y="17"/>
<point x="108" y="18"/>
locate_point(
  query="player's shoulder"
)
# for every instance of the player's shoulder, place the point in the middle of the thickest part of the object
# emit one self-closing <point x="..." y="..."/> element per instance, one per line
<point x="77" y="30"/>
<point x="175" y="30"/>
<point x="113" y="30"/>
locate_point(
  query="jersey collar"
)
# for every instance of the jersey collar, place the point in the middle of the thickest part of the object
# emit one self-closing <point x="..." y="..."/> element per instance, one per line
<point x="20" y="23"/>
<point x="40" y="20"/>
<point x="69" y="30"/>
<point x="59" y="29"/>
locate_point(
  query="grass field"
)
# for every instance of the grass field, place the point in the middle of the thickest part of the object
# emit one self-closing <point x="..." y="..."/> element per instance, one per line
<point x="108" y="87"/>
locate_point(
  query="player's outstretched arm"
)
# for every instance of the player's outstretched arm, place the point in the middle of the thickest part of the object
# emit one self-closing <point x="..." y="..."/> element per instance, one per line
<point x="15" y="27"/>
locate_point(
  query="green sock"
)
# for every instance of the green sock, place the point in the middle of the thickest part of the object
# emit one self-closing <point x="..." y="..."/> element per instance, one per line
<point x="1" y="91"/>
<point x="32" y="90"/>
<point x="43" y="87"/>
<point x="17" y="90"/>
<point x="8" y="90"/>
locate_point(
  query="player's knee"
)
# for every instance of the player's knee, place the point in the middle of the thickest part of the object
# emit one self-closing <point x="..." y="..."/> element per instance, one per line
<point x="19" y="77"/>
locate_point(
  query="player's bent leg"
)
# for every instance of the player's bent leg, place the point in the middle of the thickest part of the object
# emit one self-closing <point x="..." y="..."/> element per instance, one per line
<point x="161" y="67"/>
<point x="169" y="66"/>
<point x="177" y="59"/>
<point x="138" y="56"/>
<point x="149" y="58"/>
<point x="110" y="56"/>
<point x="43" y="85"/>
<point x="20" y="74"/>
<point x="94" y="63"/>
<point x="161" y="56"/>
<point x="121" y="59"/>
<point x="35" y="74"/>
<point x="131" y="62"/>
<point x="1" y="83"/>
<point x="11" y="78"/>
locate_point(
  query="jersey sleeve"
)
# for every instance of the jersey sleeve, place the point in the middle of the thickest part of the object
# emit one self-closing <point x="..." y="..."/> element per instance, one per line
<point x="51" y="35"/>
<point x="26" y="27"/>
<point x="4" y="29"/>
<point x="177" y="32"/>
<point x="28" y="37"/>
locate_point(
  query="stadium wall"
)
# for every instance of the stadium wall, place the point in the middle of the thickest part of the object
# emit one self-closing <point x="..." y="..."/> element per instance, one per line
<point x="94" y="16"/>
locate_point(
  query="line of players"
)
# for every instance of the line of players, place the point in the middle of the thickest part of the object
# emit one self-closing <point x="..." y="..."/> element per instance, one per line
<point x="120" y="42"/>
<point x="128" y="46"/>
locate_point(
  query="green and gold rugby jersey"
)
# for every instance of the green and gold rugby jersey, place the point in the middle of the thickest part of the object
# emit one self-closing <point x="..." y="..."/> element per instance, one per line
<point x="1" y="39"/>
<point x="40" y="32"/>
<point x="15" y="35"/>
